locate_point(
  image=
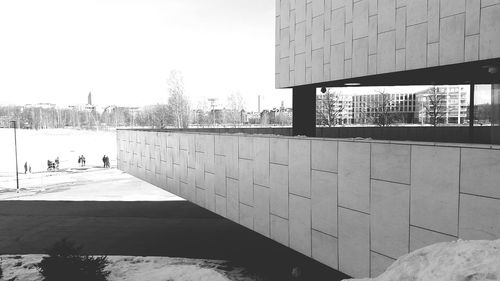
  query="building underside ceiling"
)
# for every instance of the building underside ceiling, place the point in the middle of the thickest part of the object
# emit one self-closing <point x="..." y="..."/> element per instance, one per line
<point x="477" y="72"/>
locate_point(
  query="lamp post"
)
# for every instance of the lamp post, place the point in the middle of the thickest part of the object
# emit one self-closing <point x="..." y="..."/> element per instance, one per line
<point x="15" y="146"/>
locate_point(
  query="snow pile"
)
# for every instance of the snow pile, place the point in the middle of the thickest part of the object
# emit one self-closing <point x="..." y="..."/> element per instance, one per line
<point x="448" y="261"/>
<point x="127" y="268"/>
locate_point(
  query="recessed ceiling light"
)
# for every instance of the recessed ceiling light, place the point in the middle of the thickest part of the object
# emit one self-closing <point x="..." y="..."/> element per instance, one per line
<point x="352" y="84"/>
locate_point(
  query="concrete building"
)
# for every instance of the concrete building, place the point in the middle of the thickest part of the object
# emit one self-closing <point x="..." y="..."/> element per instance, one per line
<point x="355" y="205"/>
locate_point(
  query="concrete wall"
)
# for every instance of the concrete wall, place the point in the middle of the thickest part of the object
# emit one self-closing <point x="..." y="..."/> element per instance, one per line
<point x="326" y="40"/>
<point x="355" y="206"/>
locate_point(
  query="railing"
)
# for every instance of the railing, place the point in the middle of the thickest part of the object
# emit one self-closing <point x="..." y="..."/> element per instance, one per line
<point x="484" y="135"/>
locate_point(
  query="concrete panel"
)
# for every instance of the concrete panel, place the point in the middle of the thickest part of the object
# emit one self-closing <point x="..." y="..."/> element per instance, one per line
<point x="191" y="151"/>
<point x="338" y="26"/>
<point x="354" y="243"/>
<point x="300" y="69"/>
<point x="416" y="46"/>
<point x="324" y="155"/>
<point x="245" y="145"/>
<point x="348" y="10"/>
<point x="200" y="197"/>
<point x="360" y="19"/>
<point x="220" y="205"/>
<point x="200" y="170"/>
<point x="300" y="167"/>
<point x="183" y="165"/>
<point x="324" y="202"/>
<point x="231" y="153"/>
<point x="360" y="57"/>
<point x="479" y="217"/>
<point x="472" y="48"/>
<point x="386" y="52"/>
<point x="386" y="15"/>
<point x="279" y="190"/>
<point x="391" y="162"/>
<point x="220" y="175"/>
<point x="209" y="153"/>
<point x="318" y="28"/>
<point x="390" y="218"/>
<point x="372" y="35"/>
<point x="432" y="54"/>
<point x="309" y="18"/>
<point x="284" y="13"/>
<point x="485" y="3"/>
<point x="433" y="21"/>
<point x="233" y="204"/>
<point x="338" y="4"/>
<point x="184" y="191"/>
<point x="300" y="37"/>
<point x="300" y="10"/>
<point x="210" y="191"/>
<point x="480" y="172"/>
<point x="434" y="188"/>
<point x="325" y="249"/>
<point x="284" y="72"/>
<point x="452" y="7"/>
<point x="318" y="7"/>
<point x="337" y="65"/>
<point x="246" y="182"/>
<point x="372" y="8"/>
<point x="317" y="65"/>
<point x="490" y="41"/>
<point x="262" y="210"/>
<point x="418" y="12"/>
<point x="379" y="264"/>
<point x="401" y="28"/>
<point x="451" y="42"/>
<point x="472" y="16"/>
<point x="372" y="64"/>
<point x="279" y="151"/>
<point x="348" y="43"/>
<point x="279" y="230"/>
<point x="246" y="216"/>
<point x="219" y="145"/>
<point x="191" y="185"/>
<point x="420" y="238"/>
<point x="400" y="59"/>
<point x="354" y="176"/>
<point x="300" y="224"/>
<point x="261" y="149"/>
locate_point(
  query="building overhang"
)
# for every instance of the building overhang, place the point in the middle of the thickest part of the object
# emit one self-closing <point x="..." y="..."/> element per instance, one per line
<point x="476" y="72"/>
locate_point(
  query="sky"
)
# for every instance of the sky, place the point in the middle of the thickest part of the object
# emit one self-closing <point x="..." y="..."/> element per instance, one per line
<point x="122" y="51"/>
<point x="57" y="51"/>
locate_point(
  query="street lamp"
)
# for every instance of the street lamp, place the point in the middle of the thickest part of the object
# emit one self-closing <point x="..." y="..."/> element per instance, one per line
<point x="15" y="146"/>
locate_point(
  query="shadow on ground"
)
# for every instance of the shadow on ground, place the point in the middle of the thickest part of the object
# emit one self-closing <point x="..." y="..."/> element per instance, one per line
<point x="170" y="228"/>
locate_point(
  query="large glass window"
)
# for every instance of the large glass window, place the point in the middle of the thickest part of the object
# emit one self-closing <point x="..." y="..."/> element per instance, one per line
<point x="394" y="106"/>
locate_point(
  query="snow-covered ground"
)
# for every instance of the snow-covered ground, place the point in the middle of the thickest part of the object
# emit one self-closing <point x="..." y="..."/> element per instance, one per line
<point x="77" y="184"/>
<point x="38" y="146"/>
<point x="124" y="268"/>
<point x="448" y="261"/>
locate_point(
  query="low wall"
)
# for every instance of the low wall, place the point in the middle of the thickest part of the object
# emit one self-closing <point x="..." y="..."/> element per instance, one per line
<point x="355" y="206"/>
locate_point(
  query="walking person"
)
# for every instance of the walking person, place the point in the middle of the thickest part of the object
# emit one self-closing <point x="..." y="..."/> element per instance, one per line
<point x="80" y="160"/>
<point x="83" y="160"/>
<point x="57" y="163"/>
<point x="104" y="160"/>
<point x="107" y="162"/>
<point x="25" y="167"/>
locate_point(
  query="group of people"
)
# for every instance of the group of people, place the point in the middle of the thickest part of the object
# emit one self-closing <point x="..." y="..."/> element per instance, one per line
<point x="81" y="160"/>
<point x="105" y="161"/>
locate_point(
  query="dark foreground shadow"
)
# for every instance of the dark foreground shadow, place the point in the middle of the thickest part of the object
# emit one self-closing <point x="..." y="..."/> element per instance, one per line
<point x="170" y="228"/>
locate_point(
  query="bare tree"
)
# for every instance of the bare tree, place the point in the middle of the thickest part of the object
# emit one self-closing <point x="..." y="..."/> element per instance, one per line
<point x="178" y="104"/>
<point x="235" y="104"/>
<point x="435" y="106"/>
<point x="329" y="108"/>
<point x="381" y="109"/>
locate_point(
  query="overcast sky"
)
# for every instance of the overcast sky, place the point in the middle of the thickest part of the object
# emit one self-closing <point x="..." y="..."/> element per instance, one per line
<point x="123" y="50"/>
